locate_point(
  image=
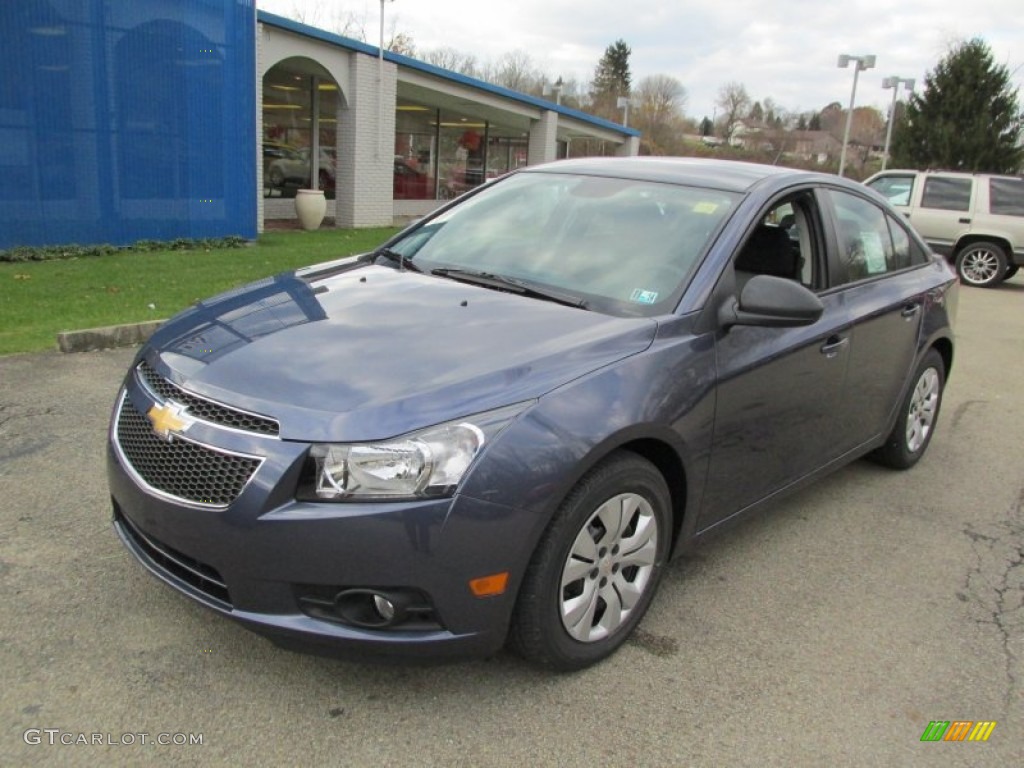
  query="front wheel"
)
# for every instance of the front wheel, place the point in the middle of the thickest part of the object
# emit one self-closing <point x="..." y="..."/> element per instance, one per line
<point x="981" y="264"/>
<point x="597" y="567"/>
<point x="918" y="414"/>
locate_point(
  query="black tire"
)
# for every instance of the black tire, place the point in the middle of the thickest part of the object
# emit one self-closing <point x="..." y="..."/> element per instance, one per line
<point x="1010" y="271"/>
<point x="919" y="413"/>
<point x="623" y="487"/>
<point x="981" y="264"/>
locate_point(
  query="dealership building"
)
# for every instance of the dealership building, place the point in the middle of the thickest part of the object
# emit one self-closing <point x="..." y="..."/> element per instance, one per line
<point x="164" y="119"/>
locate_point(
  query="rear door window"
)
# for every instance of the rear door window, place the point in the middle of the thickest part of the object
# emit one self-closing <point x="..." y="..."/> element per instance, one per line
<point x="947" y="194"/>
<point x="1006" y="197"/>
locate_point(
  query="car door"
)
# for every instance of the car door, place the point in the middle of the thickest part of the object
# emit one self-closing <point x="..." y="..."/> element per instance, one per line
<point x="779" y="389"/>
<point x="942" y="214"/>
<point x="877" y="271"/>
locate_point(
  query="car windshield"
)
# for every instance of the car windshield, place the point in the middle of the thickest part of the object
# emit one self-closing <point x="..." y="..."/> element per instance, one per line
<point x="622" y="246"/>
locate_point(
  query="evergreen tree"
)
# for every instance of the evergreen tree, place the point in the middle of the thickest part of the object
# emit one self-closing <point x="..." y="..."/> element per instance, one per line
<point x="612" y="79"/>
<point x="967" y="117"/>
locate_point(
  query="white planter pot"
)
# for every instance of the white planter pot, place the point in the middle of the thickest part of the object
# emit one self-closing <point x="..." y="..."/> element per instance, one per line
<point x="310" y="205"/>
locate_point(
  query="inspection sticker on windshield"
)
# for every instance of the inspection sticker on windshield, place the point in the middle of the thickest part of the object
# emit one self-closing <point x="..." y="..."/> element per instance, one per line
<point x="643" y="297"/>
<point x="705" y="207"/>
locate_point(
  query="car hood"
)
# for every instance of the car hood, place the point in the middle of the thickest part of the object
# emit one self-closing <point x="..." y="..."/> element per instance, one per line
<point x="367" y="352"/>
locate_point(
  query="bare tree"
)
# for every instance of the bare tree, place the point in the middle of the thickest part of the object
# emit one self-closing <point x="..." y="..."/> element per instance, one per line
<point x="401" y="42"/>
<point x="832" y="119"/>
<point x="658" y="104"/>
<point x="451" y="59"/>
<point x="341" y="22"/>
<point x="514" y="70"/>
<point x="734" y="101"/>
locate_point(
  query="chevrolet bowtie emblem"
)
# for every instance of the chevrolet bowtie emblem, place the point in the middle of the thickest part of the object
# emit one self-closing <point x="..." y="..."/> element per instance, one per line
<point x="168" y="419"/>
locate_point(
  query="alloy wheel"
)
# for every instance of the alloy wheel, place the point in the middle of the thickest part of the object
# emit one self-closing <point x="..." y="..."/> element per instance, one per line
<point x="979" y="266"/>
<point x="923" y="406"/>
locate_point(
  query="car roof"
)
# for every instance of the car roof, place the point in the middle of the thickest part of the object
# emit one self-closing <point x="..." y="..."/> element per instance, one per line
<point x="940" y="172"/>
<point x="728" y="175"/>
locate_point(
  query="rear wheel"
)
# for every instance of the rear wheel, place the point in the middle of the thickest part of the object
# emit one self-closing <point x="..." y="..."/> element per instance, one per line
<point x="918" y="414"/>
<point x="597" y="567"/>
<point x="1010" y="271"/>
<point x="981" y="264"/>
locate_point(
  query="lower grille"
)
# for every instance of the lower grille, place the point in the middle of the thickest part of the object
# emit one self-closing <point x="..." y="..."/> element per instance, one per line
<point x="181" y="469"/>
<point x="198" y="575"/>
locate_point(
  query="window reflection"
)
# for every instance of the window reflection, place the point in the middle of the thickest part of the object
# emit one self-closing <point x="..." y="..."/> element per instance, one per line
<point x="288" y="135"/>
<point x="439" y="154"/>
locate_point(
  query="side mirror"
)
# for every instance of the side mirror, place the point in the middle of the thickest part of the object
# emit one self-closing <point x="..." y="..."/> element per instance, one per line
<point x="771" y="302"/>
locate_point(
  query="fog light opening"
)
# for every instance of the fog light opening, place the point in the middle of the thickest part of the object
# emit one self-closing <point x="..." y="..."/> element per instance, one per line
<point x="384" y="607"/>
<point x="370" y="608"/>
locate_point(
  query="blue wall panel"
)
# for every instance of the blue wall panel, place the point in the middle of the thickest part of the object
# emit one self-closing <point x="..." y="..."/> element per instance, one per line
<point x="123" y="120"/>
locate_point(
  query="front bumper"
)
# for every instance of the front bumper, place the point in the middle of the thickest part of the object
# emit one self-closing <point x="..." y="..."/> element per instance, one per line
<point x="257" y="559"/>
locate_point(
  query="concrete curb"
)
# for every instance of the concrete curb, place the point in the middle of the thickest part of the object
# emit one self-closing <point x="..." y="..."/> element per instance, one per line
<point x="110" y="336"/>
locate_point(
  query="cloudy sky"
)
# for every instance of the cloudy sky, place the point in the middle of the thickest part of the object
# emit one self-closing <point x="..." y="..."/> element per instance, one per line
<point x="785" y="51"/>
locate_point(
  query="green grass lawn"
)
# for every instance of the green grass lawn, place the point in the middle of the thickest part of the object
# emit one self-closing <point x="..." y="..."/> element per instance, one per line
<point x="42" y="298"/>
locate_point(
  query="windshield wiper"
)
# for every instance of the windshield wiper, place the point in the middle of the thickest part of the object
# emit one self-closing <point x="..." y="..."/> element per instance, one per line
<point x="399" y="258"/>
<point x="511" y="284"/>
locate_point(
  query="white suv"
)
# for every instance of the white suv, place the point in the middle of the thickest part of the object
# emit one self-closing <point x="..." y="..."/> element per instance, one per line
<point x="975" y="220"/>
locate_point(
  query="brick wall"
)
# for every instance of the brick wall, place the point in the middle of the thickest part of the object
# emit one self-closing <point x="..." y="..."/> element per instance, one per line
<point x="366" y="130"/>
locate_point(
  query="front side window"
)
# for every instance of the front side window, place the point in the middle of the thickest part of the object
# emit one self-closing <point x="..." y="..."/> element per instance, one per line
<point x="895" y="189"/>
<point x="946" y="194"/>
<point x="783" y="244"/>
<point x="624" y="246"/>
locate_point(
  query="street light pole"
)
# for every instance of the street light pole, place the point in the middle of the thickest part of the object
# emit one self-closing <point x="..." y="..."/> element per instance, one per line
<point x="862" y="62"/>
<point x="380" y="85"/>
<point x="894" y="83"/>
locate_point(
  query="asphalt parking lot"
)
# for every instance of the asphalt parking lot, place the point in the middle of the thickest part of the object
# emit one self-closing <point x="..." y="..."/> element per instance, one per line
<point x="829" y="630"/>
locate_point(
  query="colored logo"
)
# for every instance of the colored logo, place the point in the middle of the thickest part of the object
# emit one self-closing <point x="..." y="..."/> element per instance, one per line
<point x="958" y="730"/>
<point x="167" y="419"/>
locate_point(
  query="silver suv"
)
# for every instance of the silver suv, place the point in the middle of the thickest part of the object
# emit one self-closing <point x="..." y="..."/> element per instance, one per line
<point x="975" y="220"/>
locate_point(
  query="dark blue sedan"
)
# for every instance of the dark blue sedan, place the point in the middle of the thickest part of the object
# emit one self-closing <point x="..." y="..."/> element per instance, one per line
<point x="498" y="427"/>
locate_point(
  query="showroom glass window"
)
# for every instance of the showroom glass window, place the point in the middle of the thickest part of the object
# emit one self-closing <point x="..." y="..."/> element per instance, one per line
<point x="415" y="162"/>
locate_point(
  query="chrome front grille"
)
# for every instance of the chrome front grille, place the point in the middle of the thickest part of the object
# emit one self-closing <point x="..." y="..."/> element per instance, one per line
<point x="181" y="469"/>
<point x="201" y="408"/>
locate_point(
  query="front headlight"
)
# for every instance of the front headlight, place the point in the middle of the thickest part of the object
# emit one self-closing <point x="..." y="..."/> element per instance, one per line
<point x="426" y="463"/>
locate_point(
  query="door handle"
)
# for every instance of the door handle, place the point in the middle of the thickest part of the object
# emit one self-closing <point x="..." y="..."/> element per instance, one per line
<point x="832" y="345"/>
<point x="909" y="311"/>
<point x="964" y="220"/>
<point x="906" y="214"/>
